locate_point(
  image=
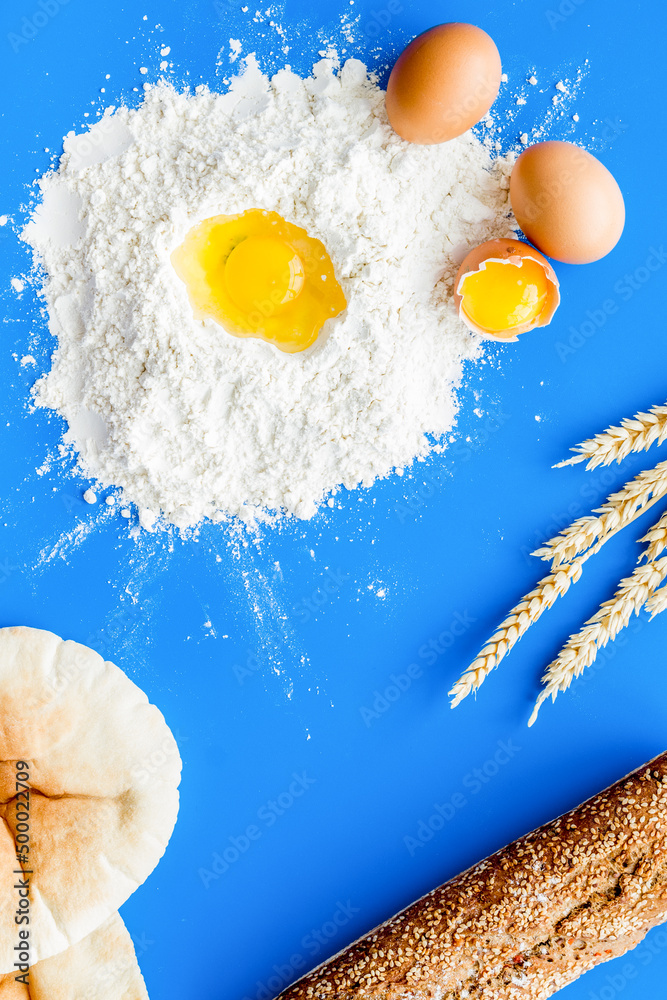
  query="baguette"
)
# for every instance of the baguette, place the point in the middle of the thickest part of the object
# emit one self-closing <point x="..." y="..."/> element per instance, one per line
<point x="530" y="919"/>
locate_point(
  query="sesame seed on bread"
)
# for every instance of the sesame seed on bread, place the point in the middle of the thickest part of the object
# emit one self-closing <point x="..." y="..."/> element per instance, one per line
<point x="528" y="920"/>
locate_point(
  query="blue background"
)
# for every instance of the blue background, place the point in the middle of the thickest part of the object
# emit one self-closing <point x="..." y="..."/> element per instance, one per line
<point x="261" y="671"/>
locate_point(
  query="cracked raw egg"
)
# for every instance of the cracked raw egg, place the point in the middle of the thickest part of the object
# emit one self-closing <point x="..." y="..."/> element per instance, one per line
<point x="259" y="276"/>
<point x="504" y="288"/>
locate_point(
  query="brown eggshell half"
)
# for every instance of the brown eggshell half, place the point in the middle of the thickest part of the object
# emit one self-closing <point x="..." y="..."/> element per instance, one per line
<point x="443" y="83"/>
<point x="567" y="203"/>
<point x="506" y="251"/>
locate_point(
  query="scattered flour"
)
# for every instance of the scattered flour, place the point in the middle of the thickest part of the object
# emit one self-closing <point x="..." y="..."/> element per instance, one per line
<point x="190" y="422"/>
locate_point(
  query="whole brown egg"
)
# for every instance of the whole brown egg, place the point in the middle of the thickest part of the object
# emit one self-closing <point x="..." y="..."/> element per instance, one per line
<point x="567" y="203"/>
<point x="443" y="83"/>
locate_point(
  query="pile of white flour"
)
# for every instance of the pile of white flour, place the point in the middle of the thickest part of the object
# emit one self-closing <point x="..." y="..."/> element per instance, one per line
<point x="191" y="422"/>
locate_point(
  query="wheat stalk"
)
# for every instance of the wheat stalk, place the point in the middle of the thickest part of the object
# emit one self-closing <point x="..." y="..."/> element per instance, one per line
<point x="533" y="605"/>
<point x="614" y="615"/>
<point x="619" y="510"/>
<point x="636" y="433"/>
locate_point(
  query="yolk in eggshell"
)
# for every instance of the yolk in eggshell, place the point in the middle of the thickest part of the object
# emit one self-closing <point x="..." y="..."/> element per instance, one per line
<point x="503" y="295"/>
<point x="258" y="275"/>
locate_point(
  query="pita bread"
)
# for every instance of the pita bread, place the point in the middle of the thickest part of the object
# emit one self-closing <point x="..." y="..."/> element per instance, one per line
<point x="101" y="967"/>
<point x="104" y="772"/>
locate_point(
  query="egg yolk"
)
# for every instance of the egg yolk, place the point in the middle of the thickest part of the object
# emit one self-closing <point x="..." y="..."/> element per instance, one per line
<point x="259" y="276"/>
<point x="504" y="295"/>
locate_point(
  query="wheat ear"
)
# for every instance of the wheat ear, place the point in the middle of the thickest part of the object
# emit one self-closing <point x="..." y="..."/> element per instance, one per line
<point x="619" y="510"/>
<point x="614" y="615"/>
<point x="525" y="613"/>
<point x="583" y="539"/>
<point x="636" y="433"/>
<point x="533" y="605"/>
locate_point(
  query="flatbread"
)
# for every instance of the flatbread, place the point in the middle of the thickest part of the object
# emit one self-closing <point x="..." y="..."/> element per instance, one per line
<point x="104" y="771"/>
<point x="101" y="967"/>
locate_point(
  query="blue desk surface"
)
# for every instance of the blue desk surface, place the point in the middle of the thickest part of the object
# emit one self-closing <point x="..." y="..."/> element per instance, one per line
<point x="262" y="656"/>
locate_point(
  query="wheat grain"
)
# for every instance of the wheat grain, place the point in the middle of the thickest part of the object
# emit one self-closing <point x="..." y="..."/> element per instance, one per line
<point x="656" y="539"/>
<point x="614" y="615"/>
<point x="657" y="603"/>
<point x="619" y="510"/>
<point x="533" y="605"/>
<point x="614" y="444"/>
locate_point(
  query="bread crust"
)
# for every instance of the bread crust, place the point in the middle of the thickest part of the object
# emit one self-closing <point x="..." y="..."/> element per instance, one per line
<point x="103" y="774"/>
<point x="101" y="967"/>
<point x="528" y="920"/>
